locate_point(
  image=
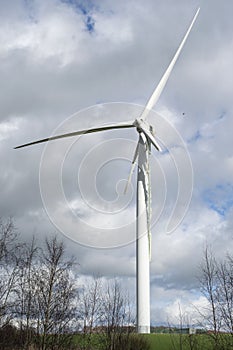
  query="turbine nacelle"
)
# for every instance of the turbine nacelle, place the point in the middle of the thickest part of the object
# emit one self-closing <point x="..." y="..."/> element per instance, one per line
<point x="141" y="124"/>
<point x="148" y="130"/>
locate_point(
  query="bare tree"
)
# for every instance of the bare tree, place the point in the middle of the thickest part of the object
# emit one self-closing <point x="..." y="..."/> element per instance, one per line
<point x="217" y="286"/>
<point x="8" y="269"/>
<point x="26" y="292"/>
<point x="116" y="316"/>
<point x="209" y="288"/>
<point x="225" y="293"/>
<point x="37" y="290"/>
<point x="55" y="293"/>
<point x="105" y="310"/>
<point x="90" y="309"/>
<point x="8" y="238"/>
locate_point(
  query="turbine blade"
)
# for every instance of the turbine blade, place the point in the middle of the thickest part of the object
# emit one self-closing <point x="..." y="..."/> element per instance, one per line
<point x="132" y="168"/>
<point x="79" y="132"/>
<point x="158" y="90"/>
<point x="151" y="138"/>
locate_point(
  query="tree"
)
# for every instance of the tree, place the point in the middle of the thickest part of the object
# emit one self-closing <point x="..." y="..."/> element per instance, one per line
<point x="55" y="293"/>
<point x="209" y="288"/>
<point x="217" y="286"/>
<point x="105" y="310"/>
<point x="116" y="315"/>
<point x="225" y="293"/>
<point x="26" y="292"/>
<point x="8" y="238"/>
<point x="8" y="269"/>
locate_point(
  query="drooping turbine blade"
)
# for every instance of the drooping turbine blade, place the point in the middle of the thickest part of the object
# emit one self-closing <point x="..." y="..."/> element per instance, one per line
<point x="132" y="168"/>
<point x="143" y="126"/>
<point x="158" y="90"/>
<point x="149" y="210"/>
<point x="151" y="138"/>
<point x="80" y="132"/>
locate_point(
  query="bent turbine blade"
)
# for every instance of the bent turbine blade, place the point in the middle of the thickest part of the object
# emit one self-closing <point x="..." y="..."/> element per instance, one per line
<point x="143" y="126"/>
<point x="132" y="168"/>
<point x="158" y="90"/>
<point x="151" y="138"/>
<point x="79" y="132"/>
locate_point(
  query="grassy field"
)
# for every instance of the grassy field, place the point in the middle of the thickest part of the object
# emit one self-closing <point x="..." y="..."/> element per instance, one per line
<point x="177" y="342"/>
<point x="186" y="342"/>
<point x="163" y="342"/>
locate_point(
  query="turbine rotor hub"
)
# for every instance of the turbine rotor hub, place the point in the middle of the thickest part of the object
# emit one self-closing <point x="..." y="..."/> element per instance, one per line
<point x="142" y="125"/>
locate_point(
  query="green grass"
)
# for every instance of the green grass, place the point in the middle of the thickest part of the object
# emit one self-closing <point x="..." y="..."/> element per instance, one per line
<point x="177" y="342"/>
<point x="180" y="342"/>
<point x="157" y="341"/>
<point x="161" y="341"/>
<point x="186" y="342"/>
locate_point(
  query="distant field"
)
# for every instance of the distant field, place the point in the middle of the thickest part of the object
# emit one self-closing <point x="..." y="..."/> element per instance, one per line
<point x="161" y="341"/>
<point x="185" y="342"/>
<point x="167" y="341"/>
<point x="179" y="342"/>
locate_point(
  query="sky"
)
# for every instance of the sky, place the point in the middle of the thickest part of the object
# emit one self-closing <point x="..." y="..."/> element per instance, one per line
<point x="66" y="65"/>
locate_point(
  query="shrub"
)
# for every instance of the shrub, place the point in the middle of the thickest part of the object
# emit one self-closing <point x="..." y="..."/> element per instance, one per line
<point x="131" y="341"/>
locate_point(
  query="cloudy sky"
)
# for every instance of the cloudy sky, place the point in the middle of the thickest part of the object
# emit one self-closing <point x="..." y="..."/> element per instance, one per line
<point x="60" y="57"/>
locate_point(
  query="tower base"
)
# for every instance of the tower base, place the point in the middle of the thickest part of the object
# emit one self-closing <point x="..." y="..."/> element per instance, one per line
<point x="143" y="329"/>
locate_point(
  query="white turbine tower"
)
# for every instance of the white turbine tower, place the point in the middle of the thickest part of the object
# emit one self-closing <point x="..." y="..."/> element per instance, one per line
<point x="142" y="152"/>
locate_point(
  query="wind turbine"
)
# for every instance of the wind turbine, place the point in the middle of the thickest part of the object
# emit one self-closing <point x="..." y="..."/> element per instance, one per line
<point x="142" y="153"/>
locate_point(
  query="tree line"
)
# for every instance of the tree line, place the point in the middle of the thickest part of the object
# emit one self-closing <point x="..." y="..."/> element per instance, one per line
<point x="42" y="306"/>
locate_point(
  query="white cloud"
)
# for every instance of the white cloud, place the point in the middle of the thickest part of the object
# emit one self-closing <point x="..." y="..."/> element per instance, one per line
<point x="9" y="128"/>
<point x="187" y="312"/>
<point x="56" y="32"/>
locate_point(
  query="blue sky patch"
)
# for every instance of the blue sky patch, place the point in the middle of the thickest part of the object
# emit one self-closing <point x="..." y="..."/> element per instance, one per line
<point x="85" y="8"/>
<point x="90" y="24"/>
<point x="220" y="198"/>
<point x="195" y="137"/>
